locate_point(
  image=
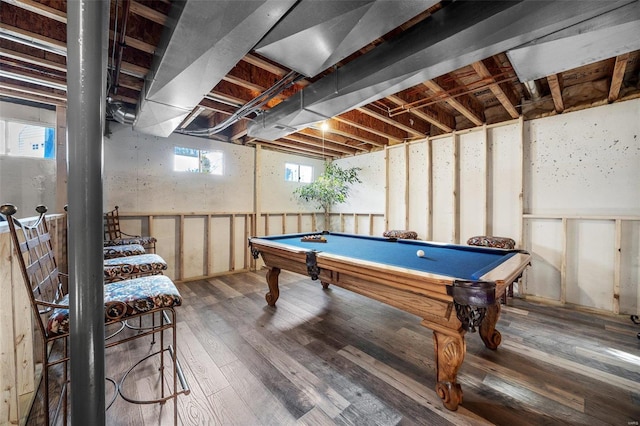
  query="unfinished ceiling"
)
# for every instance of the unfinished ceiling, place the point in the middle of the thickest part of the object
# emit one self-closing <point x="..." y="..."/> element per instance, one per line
<point x="376" y="72"/>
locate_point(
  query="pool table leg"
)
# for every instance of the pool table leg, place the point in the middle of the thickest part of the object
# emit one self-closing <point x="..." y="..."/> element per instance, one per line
<point x="274" y="290"/>
<point x="450" y="350"/>
<point x="488" y="333"/>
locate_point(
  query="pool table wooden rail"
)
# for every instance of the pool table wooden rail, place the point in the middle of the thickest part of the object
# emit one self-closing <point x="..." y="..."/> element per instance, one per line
<point x="427" y="295"/>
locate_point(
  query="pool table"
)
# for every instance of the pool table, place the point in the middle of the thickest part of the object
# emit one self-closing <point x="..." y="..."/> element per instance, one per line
<point x="453" y="288"/>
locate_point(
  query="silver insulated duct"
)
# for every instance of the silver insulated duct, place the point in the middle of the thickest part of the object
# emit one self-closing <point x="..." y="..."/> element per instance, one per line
<point x="457" y="35"/>
<point x="203" y="41"/>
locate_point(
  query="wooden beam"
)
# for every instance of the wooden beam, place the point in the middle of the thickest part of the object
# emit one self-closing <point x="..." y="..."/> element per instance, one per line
<point x="133" y="70"/>
<point x="465" y="104"/>
<point x="40" y="9"/>
<point x="265" y="65"/>
<point x="504" y="95"/>
<point x="19" y="33"/>
<point x="239" y="129"/>
<point x="414" y="127"/>
<point x="618" y="76"/>
<point x="212" y="105"/>
<point x="373" y="125"/>
<point x="434" y="115"/>
<point x="192" y="116"/>
<point x="328" y="150"/>
<point x="291" y="147"/>
<point x="300" y="138"/>
<point x="555" y="85"/>
<point x="34" y="60"/>
<point x="333" y="138"/>
<point x="147" y="13"/>
<point x="13" y="90"/>
<point x="345" y="129"/>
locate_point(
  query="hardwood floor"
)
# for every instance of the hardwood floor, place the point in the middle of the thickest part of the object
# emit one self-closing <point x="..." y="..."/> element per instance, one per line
<point x="324" y="357"/>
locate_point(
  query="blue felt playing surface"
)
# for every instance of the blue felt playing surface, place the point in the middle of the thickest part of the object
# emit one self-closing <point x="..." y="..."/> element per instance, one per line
<point x="451" y="260"/>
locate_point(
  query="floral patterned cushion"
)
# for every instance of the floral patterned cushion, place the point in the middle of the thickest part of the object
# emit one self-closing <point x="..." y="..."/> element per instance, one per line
<point x="122" y="251"/>
<point x="495" y="242"/>
<point x="124" y="299"/>
<point x="143" y="241"/>
<point x="401" y="233"/>
<point x="122" y="268"/>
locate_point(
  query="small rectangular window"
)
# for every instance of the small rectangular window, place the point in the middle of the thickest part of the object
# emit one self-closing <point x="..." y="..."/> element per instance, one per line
<point x="28" y="140"/>
<point x="298" y="173"/>
<point x="198" y="161"/>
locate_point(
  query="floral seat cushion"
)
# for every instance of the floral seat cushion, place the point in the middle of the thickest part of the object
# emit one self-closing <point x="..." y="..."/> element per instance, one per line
<point x="495" y="242"/>
<point x="122" y="251"/>
<point x="401" y="233"/>
<point x="124" y="299"/>
<point x="143" y="241"/>
<point x="122" y="268"/>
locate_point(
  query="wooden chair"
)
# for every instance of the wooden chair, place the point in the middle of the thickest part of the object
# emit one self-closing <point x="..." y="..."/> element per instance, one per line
<point x="113" y="236"/>
<point x="150" y="296"/>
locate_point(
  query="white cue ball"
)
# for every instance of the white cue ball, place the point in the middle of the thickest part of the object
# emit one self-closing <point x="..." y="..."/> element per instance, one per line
<point x="420" y="253"/>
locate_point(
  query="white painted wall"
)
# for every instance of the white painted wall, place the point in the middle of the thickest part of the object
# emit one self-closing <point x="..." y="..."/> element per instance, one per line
<point x="443" y="150"/>
<point x="473" y="162"/>
<point x="367" y="196"/>
<point x="584" y="162"/>
<point x="277" y="194"/>
<point x="397" y="171"/>
<point x="419" y="172"/>
<point x="584" y="167"/>
<point x="139" y="176"/>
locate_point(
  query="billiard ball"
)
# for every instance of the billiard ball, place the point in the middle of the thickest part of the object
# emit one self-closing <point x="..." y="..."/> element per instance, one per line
<point x="420" y="253"/>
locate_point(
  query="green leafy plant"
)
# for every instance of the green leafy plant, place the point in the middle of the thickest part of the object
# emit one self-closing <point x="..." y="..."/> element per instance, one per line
<point x="331" y="187"/>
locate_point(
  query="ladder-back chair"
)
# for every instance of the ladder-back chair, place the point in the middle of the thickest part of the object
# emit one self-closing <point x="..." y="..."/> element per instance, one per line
<point x="150" y="296"/>
<point x="113" y="236"/>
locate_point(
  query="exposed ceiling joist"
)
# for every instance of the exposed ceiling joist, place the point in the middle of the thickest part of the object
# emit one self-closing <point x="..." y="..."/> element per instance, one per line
<point x="555" y="85"/>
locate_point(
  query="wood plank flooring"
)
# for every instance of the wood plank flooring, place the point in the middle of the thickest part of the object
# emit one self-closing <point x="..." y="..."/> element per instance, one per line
<point x="325" y="357"/>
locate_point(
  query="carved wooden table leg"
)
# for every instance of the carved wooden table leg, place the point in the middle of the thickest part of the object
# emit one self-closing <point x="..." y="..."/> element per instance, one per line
<point x="488" y="333"/>
<point x="450" y="350"/>
<point x="274" y="290"/>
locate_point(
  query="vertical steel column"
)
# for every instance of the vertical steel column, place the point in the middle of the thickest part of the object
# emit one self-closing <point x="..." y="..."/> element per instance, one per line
<point x="87" y="48"/>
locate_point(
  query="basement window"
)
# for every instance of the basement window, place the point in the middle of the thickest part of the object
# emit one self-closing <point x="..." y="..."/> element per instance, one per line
<point x="198" y="161"/>
<point x="298" y="173"/>
<point x="27" y="140"/>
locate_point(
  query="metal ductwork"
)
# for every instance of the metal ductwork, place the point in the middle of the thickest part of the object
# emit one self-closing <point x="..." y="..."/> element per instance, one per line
<point x="202" y="42"/>
<point x="119" y="112"/>
<point x="610" y="34"/>
<point x="457" y="35"/>
<point x="317" y="34"/>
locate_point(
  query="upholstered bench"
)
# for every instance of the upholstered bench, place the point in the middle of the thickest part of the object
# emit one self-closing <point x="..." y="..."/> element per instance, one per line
<point x="124" y="268"/>
<point x="495" y="242"/>
<point x="125" y="299"/>
<point x="143" y="241"/>
<point x="112" y="252"/>
<point x="401" y="233"/>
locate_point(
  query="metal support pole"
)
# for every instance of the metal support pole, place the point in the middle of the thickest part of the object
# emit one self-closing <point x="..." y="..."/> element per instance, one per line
<point x="87" y="49"/>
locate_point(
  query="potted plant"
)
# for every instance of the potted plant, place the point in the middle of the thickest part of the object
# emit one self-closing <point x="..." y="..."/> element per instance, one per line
<point x="331" y="187"/>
